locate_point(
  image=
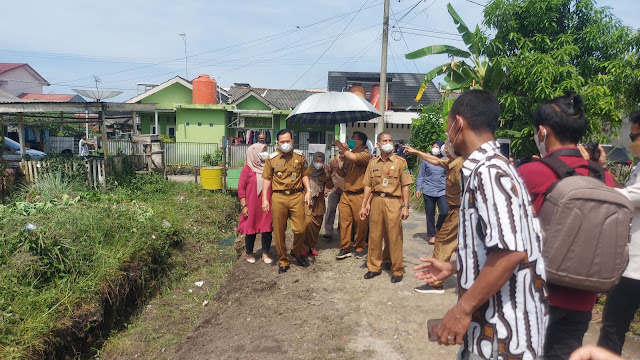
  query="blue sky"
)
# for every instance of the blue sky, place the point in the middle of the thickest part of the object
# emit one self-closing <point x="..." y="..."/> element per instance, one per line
<point x="277" y="44"/>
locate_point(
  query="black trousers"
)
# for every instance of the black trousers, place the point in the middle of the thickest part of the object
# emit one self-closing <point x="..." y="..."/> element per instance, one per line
<point x="250" y="239"/>
<point x="565" y="332"/>
<point x="621" y="305"/>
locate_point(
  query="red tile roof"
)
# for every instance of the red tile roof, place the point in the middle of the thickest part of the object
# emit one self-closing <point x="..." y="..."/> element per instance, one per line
<point x="9" y="66"/>
<point x="46" y="97"/>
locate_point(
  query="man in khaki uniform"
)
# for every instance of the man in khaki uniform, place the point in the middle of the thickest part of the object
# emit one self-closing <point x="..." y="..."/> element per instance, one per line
<point x="386" y="201"/>
<point x="356" y="159"/>
<point x="287" y="172"/>
<point x="447" y="238"/>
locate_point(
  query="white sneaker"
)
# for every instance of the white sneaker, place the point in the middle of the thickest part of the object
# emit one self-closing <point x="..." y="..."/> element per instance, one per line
<point x="267" y="260"/>
<point x="251" y="259"/>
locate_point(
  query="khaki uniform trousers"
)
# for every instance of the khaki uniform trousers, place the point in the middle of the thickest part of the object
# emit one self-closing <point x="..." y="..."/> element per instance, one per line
<point x="446" y="240"/>
<point x="313" y="222"/>
<point x="290" y="207"/>
<point x="385" y="223"/>
<point x="349" y="208"/>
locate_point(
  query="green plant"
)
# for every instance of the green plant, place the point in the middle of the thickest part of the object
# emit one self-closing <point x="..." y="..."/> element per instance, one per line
<point x="482" y="73"/>
<point x="214" y="159"/>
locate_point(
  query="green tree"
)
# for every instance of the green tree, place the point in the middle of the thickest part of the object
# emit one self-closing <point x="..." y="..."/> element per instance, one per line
<point x="427" y="128"/>
<point x="572" y="46"/>
<point x="480" y="73"/>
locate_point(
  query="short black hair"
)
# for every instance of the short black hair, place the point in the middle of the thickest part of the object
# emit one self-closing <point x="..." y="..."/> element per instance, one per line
<point x="635" y="117"/>
<point x="480" y="108"/>
<point x="361" y="136"/>
<point x="564" y="116"/>
<point x="282" y="132"/>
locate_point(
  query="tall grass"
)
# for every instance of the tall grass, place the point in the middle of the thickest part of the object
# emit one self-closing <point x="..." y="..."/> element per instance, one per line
<point x="83" y="241"/>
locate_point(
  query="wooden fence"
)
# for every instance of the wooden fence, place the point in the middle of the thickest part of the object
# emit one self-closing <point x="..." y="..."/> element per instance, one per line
<point x="96" y="174"/>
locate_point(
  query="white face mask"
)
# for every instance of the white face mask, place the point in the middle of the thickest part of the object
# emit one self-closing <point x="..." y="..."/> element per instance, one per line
<point x="318" y="165"/>
<point x="449" y="150"/>
<point x="286" y="147"/>
<point x="435" y="151"/>
<point x="387" y="148"/>
<point x="263" y="155"/>
<point x="542" y="148"/>
<point x="449" y="143"/>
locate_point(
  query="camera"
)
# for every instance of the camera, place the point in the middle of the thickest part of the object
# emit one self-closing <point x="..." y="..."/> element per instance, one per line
<point x="593" y="151"/>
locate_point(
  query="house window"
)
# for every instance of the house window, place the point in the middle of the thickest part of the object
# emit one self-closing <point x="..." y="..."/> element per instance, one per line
<point x="153" y="129"/>
<point x="187" y="124"/>
<point x="171" y="131"/>
<point x="199" y="124"/>
<point x="210" y="124"/>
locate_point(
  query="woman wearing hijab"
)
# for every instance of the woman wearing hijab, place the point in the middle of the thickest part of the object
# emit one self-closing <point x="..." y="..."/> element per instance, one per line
<point x="253" y="220"/>
<point x="319" y="181"/>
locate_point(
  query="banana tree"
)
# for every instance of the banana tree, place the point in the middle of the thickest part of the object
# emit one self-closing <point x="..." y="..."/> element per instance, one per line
<point x="480" y="73"/>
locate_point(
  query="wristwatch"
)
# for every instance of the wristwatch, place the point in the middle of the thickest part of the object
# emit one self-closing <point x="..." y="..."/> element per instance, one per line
<point x="243" y="206"/>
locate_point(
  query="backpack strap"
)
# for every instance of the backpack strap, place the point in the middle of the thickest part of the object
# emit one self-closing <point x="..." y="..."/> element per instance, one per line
<point x="562" y="170"/>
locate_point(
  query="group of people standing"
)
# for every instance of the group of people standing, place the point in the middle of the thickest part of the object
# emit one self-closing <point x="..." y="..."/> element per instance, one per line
<point x="505" y="309"/>
<point x="283" y="186"/>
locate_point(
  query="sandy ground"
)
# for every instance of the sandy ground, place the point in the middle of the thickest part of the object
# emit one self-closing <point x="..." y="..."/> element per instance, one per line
<point x="328" y="311"/>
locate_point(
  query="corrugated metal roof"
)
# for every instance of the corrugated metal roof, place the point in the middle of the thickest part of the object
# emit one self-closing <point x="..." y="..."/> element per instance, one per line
<point x="403" y="87"/>
<point x="50" y="97"/>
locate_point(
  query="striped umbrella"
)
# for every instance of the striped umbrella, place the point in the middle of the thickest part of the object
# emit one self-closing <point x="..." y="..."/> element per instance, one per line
<point x="333" y="108"/>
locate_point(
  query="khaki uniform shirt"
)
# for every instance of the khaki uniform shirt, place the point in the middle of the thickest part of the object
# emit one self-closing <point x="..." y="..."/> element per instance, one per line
<point x="355" y="170"/>
<point x="338" y="181"/>
<point x="388" y="176"/>
<point x="453" y="188"/>
<point x="285" y="170"/>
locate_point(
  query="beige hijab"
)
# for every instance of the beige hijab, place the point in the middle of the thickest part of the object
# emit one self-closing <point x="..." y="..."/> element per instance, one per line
<point x="255" y="163"/>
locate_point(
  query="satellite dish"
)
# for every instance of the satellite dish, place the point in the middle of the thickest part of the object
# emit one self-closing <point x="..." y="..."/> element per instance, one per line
<point x="97" y="95"/>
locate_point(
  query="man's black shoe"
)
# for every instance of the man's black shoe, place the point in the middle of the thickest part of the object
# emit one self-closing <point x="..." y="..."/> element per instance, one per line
<point x="396" y="278"/>
<point x="343" y="254"/>
<point x="371" y="274"/>
<point x="283" y="269"/>
<point x="360" y="254"/>
<point x="302" y="260"/>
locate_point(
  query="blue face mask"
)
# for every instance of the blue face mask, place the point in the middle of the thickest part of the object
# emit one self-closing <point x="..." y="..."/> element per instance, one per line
<point x="352" y="144"/>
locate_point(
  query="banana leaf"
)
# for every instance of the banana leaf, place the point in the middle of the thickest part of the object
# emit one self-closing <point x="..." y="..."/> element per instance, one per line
<point x="463" y="29"/>
<point x="437" y="49"/>
<point x="438" y="70"/>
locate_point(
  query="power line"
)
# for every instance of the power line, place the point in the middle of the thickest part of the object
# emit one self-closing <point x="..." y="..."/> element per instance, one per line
<point x="329" y="47"/>
<point x="267" y="38"/>
<point x="473" y="2"/>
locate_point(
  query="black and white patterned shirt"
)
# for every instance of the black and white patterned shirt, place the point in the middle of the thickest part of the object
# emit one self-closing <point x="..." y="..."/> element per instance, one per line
<point x="496" y="212"/>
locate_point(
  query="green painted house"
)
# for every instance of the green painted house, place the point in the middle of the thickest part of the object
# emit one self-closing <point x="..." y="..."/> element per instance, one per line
<point x="241" y="111"/>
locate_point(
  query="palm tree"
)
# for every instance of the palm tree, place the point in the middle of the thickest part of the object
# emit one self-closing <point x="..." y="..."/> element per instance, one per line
<point x="482" y="73"/>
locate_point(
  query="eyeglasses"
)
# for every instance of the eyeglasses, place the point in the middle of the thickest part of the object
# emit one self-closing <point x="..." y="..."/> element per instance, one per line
<point x="633" y="137"/>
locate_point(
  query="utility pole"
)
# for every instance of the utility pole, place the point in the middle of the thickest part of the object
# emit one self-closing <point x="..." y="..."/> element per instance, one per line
<point x="184" y="38"/>
<point x="383" y="69"/>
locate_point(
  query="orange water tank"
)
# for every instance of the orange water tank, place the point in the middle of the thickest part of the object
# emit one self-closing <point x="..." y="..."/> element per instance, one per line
<point x="375" y="97"/>
<point x="358" y="90"/>
<point x="204" y="90"/>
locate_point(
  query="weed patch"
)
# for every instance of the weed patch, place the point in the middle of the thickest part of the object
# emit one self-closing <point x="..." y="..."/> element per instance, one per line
<point x="95" y="257"/>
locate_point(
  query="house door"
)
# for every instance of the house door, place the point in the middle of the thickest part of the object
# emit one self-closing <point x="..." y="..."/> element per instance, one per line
<point x="303" y="138"/>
